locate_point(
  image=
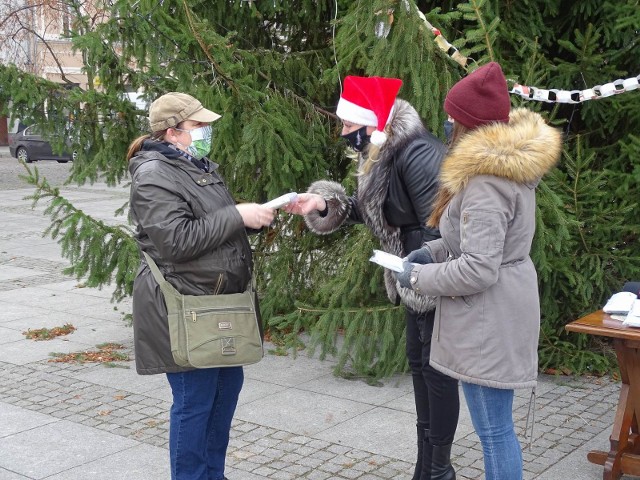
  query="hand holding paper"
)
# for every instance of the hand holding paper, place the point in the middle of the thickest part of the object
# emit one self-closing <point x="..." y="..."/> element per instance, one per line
<point x="305" y="203"/>
<point x="281" y="201"/>
<point x="386" y="260"/>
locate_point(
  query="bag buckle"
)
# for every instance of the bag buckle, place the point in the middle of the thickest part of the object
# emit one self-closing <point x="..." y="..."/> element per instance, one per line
<point x="228" y="345"/>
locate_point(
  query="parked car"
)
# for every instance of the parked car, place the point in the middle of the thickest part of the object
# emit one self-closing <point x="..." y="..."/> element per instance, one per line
<point x="28" y="145"/>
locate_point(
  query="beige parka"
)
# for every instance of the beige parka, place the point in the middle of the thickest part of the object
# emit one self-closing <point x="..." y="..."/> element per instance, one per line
<point x="488" y="311"/>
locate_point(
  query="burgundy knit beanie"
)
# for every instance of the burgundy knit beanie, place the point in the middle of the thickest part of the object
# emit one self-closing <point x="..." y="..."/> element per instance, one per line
<point x="479" y="98"/>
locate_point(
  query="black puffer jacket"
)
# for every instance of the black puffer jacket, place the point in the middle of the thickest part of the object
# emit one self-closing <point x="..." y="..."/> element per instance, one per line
<point x="394" y="199"/>
<point x="187" y="222"/>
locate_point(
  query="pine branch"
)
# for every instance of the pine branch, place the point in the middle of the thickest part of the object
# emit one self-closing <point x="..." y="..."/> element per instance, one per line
<point x="96" y="250"/>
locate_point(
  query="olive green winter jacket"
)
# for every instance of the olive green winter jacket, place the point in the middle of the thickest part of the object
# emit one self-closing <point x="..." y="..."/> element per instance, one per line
<point x="187" y="222"/>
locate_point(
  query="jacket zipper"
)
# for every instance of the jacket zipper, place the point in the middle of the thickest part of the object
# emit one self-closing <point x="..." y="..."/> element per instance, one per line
<point x="449" y="258"/>
<point x="216" y="290"/>
<point x="439" y="307"/>
<point x="465" y="217"/>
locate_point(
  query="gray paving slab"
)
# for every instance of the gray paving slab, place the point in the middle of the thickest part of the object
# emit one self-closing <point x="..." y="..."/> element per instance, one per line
<point x="58" y="301"/>
<point x="24" y="352"/>
<point x="140" y="462"/>
<point x="380" y="430"/>
<point x="384" y="393"/>
<point x="575" y="464"/>
<point x="9" y="475"/>
<point x="123" y="379"/>
<point x="17" y="419"/>
<point x="255" y="390"/>
<point x="36" y="453"/>
<point x="72" y="421"/>
<point x="43" y="318"/>
<point x="9" y="272"/>
<point x="10" y="311"/>
<point x="300" y="411"/>
<point x="9" y="335"/>
<point x="290" y="373"/>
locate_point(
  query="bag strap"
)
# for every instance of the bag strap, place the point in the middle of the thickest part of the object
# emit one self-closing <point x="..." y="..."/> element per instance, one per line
<point x="162" y="282"/>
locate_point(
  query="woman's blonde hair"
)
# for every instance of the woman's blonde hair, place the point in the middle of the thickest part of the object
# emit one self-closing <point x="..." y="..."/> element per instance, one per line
<point x="444" y="196"/>
<point x="373" y="154"/>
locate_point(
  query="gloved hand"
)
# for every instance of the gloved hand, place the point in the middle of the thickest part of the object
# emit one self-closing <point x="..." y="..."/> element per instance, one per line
<point x="404" y="276"/>
<point x="421" y="256"/>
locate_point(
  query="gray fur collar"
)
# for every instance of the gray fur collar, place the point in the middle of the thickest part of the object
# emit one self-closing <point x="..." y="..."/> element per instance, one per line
<point x="371" y="194"/>
<point x="406" y="125"/>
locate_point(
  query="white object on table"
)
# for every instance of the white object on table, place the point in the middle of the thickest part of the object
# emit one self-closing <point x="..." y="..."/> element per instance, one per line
<point x="620" y="303"/>
<point x="633" y="317"/>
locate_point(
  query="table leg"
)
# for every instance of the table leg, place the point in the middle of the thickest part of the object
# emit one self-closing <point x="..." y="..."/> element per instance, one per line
<point x="625" y="423"/>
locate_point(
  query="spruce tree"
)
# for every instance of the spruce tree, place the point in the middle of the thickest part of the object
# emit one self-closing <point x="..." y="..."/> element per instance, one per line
<point x="273" y="70"/>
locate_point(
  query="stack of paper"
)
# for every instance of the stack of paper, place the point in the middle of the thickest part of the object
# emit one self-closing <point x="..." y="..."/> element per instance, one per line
<point x="633" y="317"/>
<point x="386" y="260"/>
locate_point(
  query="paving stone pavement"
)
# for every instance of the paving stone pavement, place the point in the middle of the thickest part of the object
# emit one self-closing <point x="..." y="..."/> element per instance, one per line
<point x="295" y="419"/>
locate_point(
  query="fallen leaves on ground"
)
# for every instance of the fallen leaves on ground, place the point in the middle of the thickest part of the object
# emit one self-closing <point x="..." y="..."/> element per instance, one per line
<point x="107" y="352"/>
<point x="48" y="334"/>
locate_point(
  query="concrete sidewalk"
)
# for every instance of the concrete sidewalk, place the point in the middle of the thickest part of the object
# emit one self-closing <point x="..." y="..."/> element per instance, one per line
<point x="67" y="421"/>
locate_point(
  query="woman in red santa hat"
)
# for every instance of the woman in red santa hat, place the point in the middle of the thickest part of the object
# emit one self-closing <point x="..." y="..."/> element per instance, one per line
<point x="398" y="165"/>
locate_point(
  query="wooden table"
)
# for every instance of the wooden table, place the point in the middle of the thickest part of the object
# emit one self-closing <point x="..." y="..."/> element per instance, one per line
<point x="624" y="455"/>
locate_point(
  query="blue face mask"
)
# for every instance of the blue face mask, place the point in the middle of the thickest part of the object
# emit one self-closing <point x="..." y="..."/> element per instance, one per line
<point x="448" y="130"/>
<point x="358" y="139"/>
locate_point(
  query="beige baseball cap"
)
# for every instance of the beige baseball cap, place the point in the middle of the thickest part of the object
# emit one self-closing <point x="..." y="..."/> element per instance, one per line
<point x="172" y="108"/>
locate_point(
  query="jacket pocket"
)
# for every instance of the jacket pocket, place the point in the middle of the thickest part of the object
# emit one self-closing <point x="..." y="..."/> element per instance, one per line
<point x="482" y="232"/>
<point x="468" y="300"/>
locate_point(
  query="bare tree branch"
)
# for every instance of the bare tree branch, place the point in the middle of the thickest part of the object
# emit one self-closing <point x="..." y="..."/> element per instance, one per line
<point x="48" y="47"/>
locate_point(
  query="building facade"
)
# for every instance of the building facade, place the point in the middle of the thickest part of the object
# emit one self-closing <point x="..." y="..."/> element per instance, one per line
<point x="35" y="37"/>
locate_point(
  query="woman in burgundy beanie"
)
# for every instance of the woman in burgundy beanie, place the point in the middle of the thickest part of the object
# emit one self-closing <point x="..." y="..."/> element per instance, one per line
<point x="487" y="309"/>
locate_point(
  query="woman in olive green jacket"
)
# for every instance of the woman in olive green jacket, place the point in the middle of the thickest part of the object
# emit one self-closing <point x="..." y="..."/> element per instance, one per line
<point x="189" y="224"/>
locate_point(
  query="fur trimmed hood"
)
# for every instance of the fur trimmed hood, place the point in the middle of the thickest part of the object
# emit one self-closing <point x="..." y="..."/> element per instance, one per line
<point x="522" y="150"/>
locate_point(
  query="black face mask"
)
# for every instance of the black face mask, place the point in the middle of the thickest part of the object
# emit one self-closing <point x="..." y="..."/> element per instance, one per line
<point x="448" y="130"/>
<point x="358" y="139"/>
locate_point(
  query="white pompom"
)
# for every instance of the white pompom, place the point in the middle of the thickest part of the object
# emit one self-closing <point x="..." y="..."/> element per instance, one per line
<point x="378" y="138"/>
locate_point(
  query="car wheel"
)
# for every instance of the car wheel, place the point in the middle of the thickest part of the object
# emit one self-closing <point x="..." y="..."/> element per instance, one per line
<point x="23" y="155"/>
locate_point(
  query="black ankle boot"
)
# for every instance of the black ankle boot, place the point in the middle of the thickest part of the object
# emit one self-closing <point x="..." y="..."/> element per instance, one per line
<point x="417" y="474"/>
<point x="441" y="468"/>
<point x="427" y="452"/>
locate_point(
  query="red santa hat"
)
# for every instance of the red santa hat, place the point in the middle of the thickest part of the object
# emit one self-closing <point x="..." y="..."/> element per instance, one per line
<point x="368" y="101"/>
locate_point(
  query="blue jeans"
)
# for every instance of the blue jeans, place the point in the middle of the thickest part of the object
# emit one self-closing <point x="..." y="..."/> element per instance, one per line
<point x="492" y="417"/>
<point x="204" y="401"/>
